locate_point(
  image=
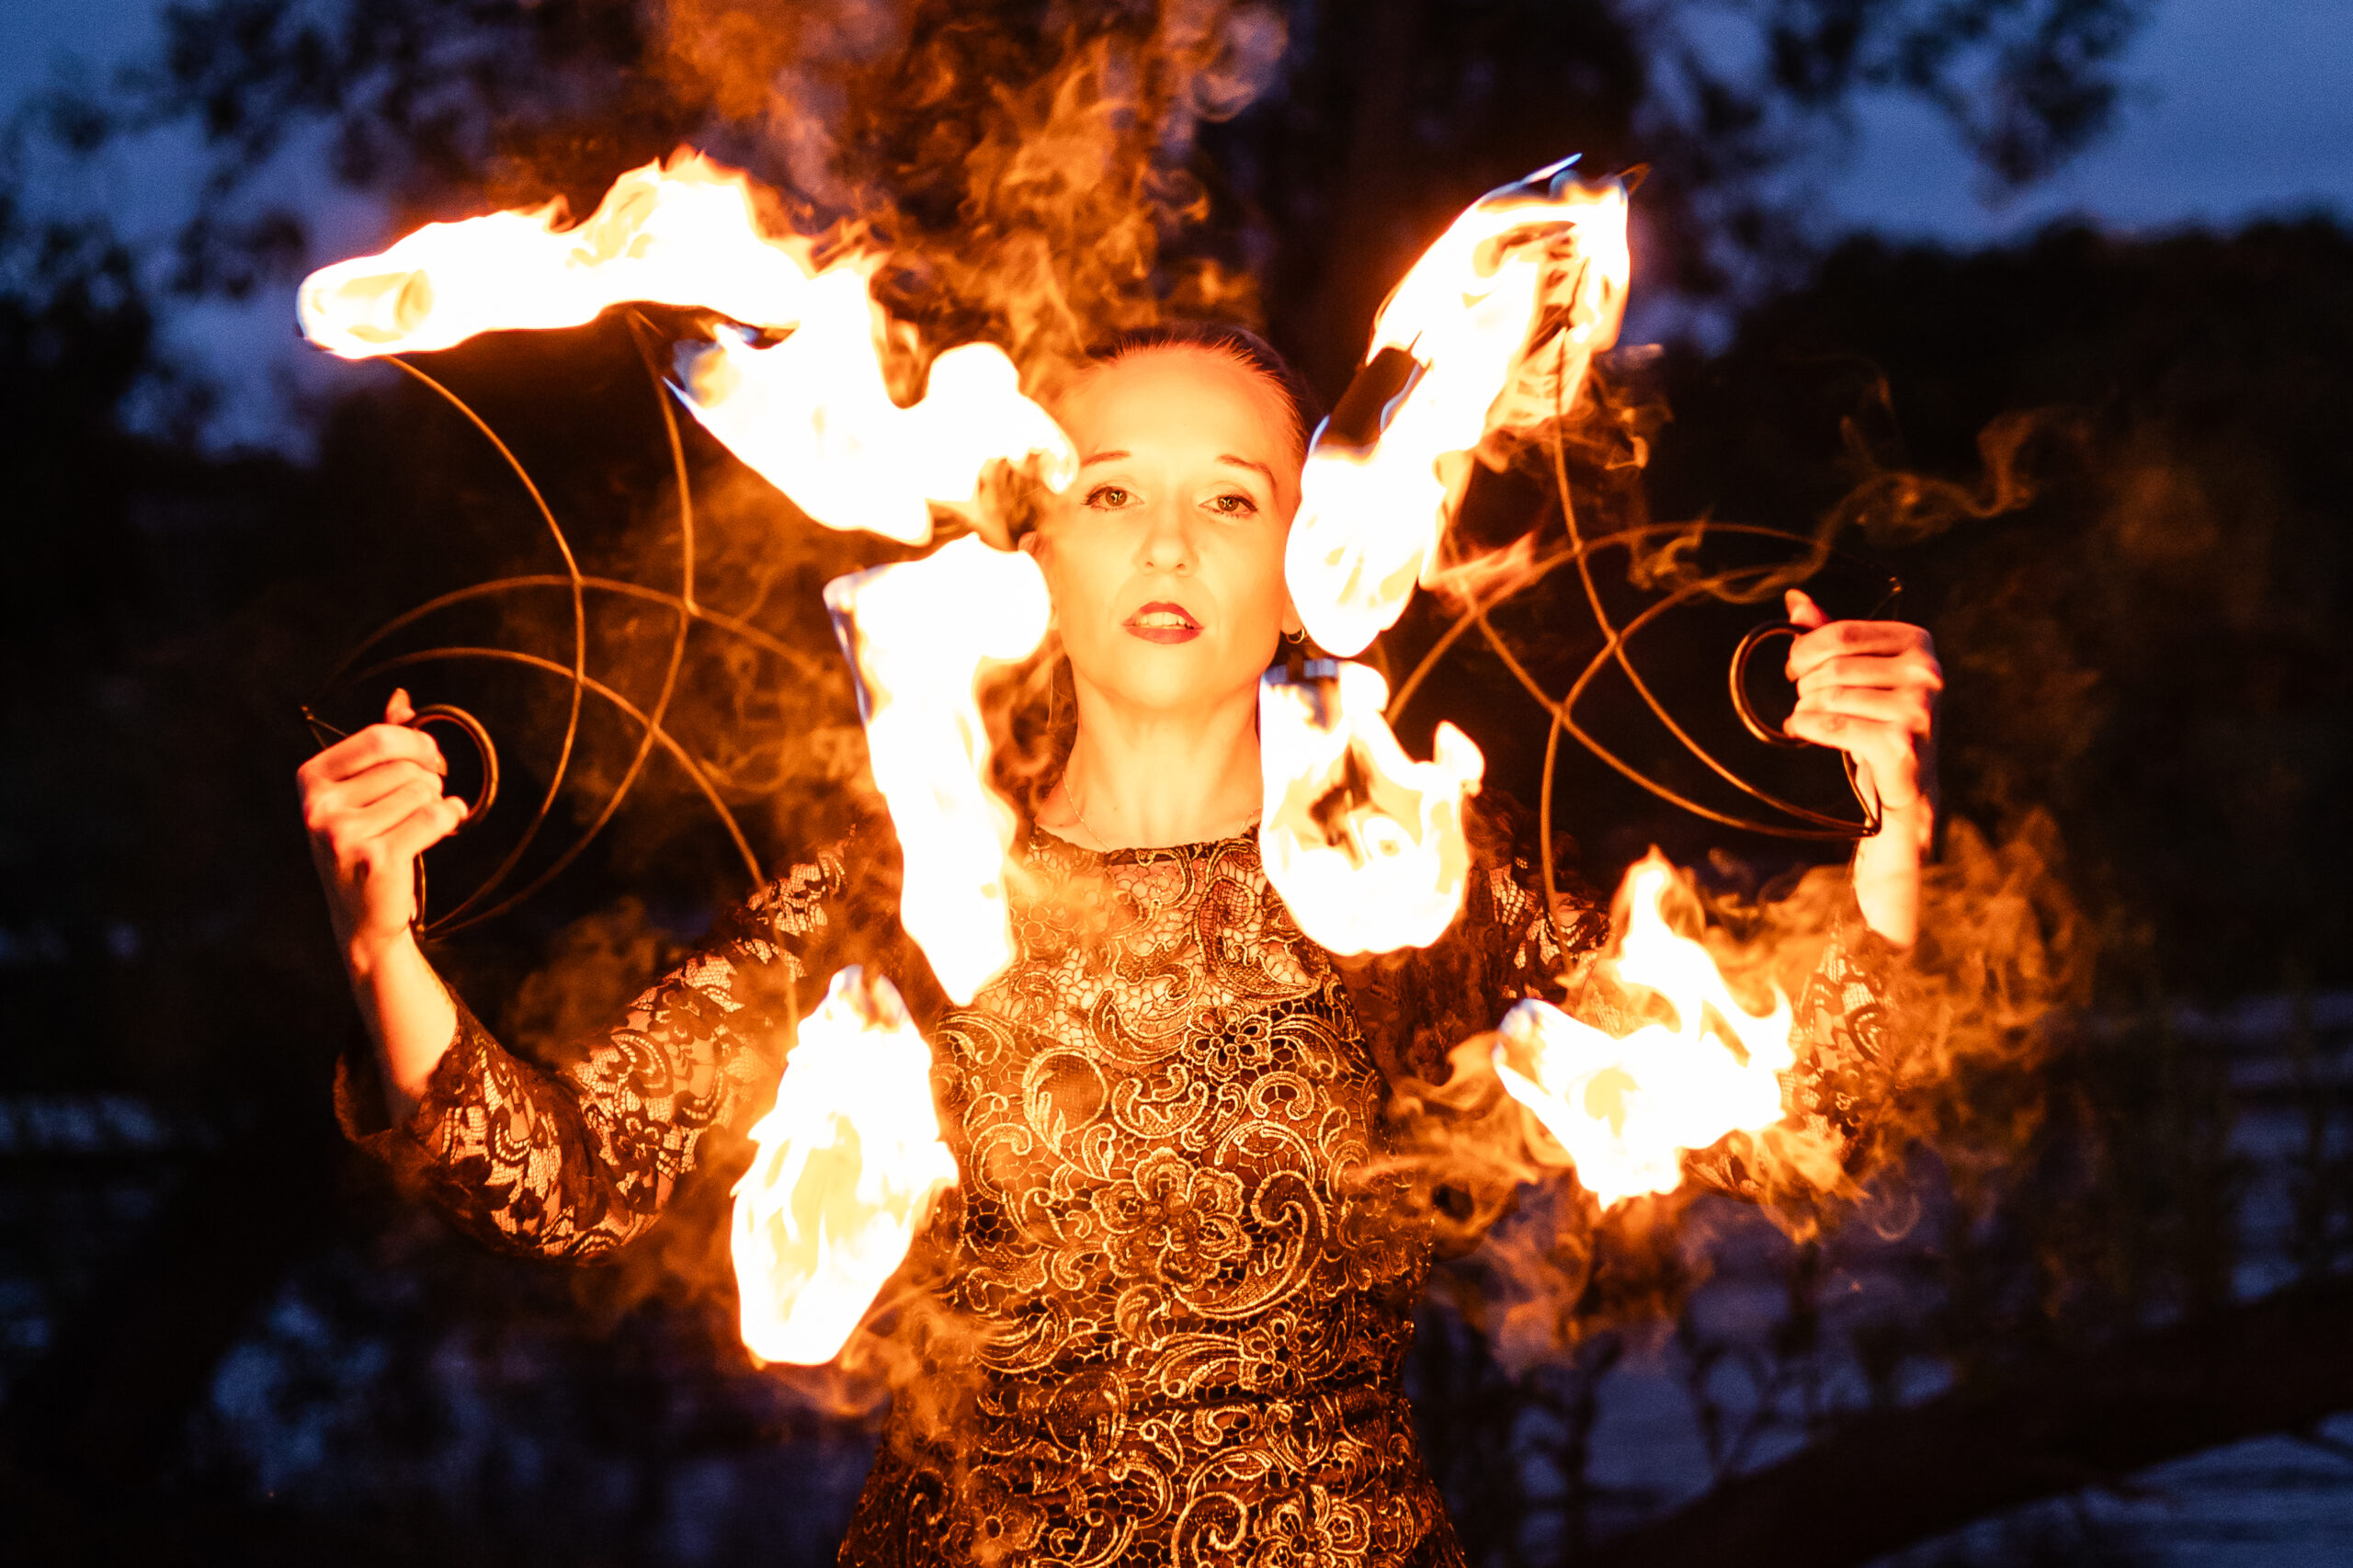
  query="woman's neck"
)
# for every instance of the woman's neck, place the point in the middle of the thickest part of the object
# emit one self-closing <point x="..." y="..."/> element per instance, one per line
<point x="1138" y="780"/>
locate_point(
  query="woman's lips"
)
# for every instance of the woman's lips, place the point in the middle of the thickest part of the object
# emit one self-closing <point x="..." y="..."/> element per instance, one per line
<point x="1160" y="621"/>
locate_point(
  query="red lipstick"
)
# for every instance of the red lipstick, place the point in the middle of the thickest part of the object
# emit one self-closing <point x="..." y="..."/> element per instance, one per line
<point x="1160" y="621"/>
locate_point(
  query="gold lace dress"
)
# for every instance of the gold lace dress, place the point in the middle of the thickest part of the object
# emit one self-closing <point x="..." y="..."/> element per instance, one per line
<point x="1171" y="1297"/>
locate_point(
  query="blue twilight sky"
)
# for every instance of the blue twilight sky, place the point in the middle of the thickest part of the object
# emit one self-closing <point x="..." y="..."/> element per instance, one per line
<point x="2236" y="108"/>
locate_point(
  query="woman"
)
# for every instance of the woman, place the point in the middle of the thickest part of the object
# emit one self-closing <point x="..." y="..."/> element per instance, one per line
<point x="1173" y="1293"/>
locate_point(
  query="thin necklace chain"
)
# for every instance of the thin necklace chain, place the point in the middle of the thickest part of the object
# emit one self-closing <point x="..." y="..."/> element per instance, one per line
<point x="1078" y="812"/>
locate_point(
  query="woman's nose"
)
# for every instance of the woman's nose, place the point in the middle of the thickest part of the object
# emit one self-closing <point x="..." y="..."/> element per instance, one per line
<point x="1167" y="541"/>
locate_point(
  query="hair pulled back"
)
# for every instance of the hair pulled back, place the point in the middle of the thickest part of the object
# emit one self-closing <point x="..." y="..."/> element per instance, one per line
<point x="1236" y="345"/>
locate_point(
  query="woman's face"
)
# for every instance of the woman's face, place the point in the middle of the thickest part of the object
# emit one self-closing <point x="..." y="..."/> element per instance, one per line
<point x="1165" y="557"/>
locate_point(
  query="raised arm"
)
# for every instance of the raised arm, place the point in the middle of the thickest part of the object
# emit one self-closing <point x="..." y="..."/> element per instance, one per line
<point x="570" y="1161"/>
<point x="574" y="1159"/>
<point x="1870" y="689"/>
<point x="372" y="803"/>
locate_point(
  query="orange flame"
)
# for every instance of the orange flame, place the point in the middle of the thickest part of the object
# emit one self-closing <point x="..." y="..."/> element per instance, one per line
<point x="848" y="1164"/>
<point x="1625" y="1109"/>
<point x="916" y="634"/>
<point x="1525" y="285"/>
<point x="685" y="234"/>
<point x="812" y="415"/>
<point x="1364" y="844"/>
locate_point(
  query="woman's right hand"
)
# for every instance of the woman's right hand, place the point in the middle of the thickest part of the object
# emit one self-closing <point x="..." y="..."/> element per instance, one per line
<point x="373" y="802"/>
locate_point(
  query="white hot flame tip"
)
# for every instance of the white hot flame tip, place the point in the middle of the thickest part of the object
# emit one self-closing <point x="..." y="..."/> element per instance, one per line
<point x="847" y="1165"/>
<point x="1365" y="845"/>
<point x="1626" y="1110"/>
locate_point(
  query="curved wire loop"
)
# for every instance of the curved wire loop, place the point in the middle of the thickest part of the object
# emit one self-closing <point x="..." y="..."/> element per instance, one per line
<point x="476" y="907"/>
<point x="475" y="731"/>
<point x="1736" y="678"/>
<point x="1797" y="822"/>
<point x="1801" y="822"/>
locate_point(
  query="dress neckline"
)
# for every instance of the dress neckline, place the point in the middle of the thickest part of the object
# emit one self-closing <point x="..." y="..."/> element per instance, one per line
<point x="1192" y="849"/>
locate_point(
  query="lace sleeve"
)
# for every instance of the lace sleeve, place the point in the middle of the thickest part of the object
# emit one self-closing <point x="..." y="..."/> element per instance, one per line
<point x="1846" y="1010"/>
<point x="575" y="1161"/>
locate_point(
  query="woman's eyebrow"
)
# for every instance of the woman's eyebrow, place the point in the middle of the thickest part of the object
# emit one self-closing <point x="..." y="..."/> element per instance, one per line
<point x="1249" y="465"/>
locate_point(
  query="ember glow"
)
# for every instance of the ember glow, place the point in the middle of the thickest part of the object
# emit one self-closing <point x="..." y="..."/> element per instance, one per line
<point x="1625" y="1109"/>
<point x="917" y="635"/>
<point x="1364" y="844"/>
<point x="1493" y="329"/>
<point x="811" y="415"/>
<point x="848" y="1163"/>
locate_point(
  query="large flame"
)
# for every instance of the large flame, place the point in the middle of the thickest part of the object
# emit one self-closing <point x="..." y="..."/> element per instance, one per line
<point x="917" y="633"/>
<point x="849" y="1163"/>
<point x="1626" y="1110"/>
<point x="1365" y="845"/>
<point x="811" y="415"/>
<point x="1493" y="329"/>
<point x="686" y="234"/>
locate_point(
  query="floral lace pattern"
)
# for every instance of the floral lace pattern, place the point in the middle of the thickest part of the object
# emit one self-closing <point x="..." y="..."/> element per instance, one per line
<point x="1192" y="1296"/>
<point x="1175" y="1283"/>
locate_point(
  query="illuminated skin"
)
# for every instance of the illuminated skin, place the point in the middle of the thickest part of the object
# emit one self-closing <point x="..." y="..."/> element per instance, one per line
<point x="1165" y="563"/>
<point x="1869" y="689"/>
<point x="373" y="804"/>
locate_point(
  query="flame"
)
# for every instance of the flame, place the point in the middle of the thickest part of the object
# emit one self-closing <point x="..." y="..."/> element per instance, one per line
<point x="917" y="633"/>
<point x="848" y="1164"/>
<point x="1493" y="329"/>
<point x="685" y="234"/>
<point x="812" y="415"/>
<point x="1625" y="1109"/>
<point x="1364" y="844"/>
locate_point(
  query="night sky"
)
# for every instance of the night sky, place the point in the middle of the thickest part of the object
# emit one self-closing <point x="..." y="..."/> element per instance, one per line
<point x="2236" y="108"/>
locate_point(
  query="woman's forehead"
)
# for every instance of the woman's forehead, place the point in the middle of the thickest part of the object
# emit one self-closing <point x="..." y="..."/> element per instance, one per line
<point x="1176" y="399"/>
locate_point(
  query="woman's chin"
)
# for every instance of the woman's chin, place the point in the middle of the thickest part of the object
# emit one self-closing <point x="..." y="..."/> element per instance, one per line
<point x="1166" y="677"/>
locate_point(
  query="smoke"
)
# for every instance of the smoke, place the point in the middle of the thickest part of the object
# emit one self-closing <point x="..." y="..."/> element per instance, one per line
<point x="1032" y="170"/>
<point x="1032" y="174"/>
<point x="1946" y="1054"/>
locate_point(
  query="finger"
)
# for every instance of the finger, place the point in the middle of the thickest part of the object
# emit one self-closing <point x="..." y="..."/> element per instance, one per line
<point x="1844" y="637"/>
<point x="354" y="830"/>
<point x="376" y="744"/>
<point x="370" y="785"/>
<point x="422" y="829"/>
<point x="397" y="707"/>
<point x="1906" y="711"/>
<point x="325" y="801"/>
<point x="1885" y="749"/>
<point x="1802" y="609"/>
<point x="1887" y="672"/>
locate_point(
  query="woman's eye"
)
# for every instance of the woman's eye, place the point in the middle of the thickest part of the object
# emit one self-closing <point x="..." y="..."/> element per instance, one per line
<point x="1234" y="504"/>
<point x="1108" y="497"/>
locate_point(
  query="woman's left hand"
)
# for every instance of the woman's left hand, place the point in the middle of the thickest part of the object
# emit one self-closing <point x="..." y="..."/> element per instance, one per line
<point x="1869" y="689"/>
